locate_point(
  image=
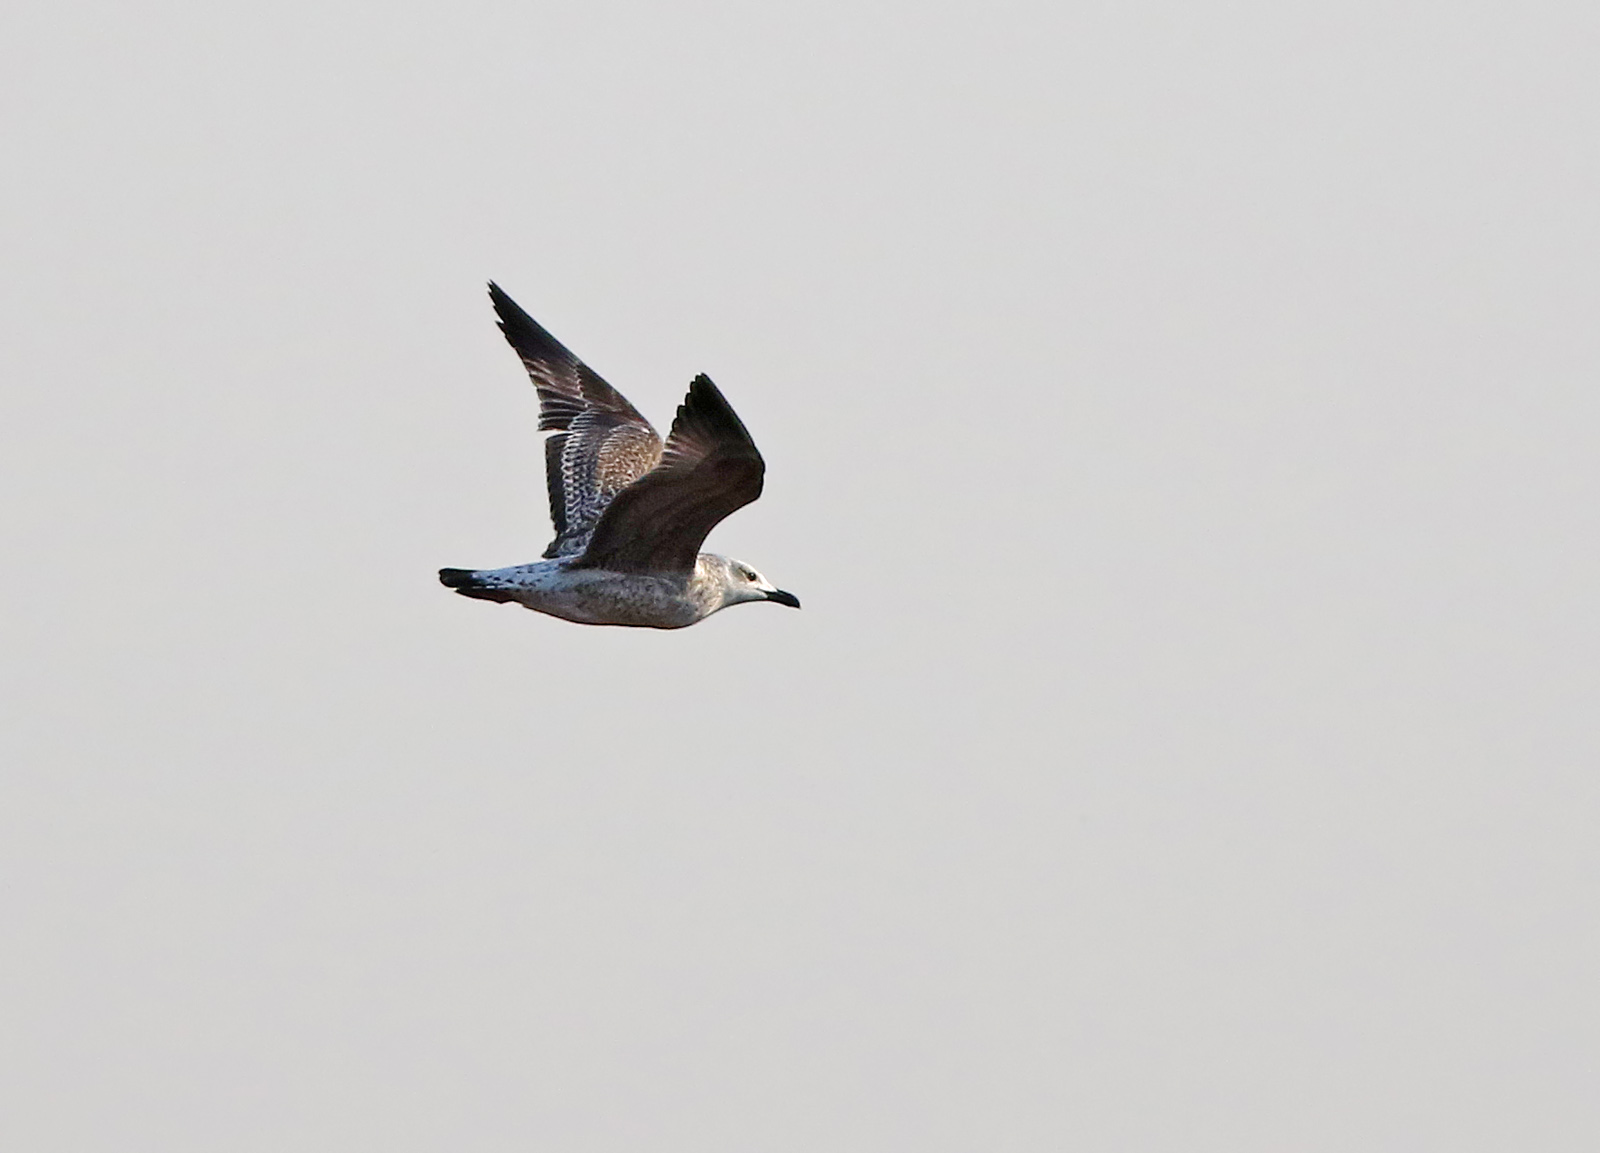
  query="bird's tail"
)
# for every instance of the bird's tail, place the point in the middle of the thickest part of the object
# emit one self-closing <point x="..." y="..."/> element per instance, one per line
<point x="470" y="583"/>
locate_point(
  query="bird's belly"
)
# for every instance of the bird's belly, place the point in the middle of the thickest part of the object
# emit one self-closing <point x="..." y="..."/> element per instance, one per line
<point x="596" y="598"/>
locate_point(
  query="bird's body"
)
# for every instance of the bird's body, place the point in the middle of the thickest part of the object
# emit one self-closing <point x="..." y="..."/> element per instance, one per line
<point x="601" y="597"/>
<point x="630" y="511"/>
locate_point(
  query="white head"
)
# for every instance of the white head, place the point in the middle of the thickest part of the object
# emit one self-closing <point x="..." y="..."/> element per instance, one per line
<point x="740" y="583"/>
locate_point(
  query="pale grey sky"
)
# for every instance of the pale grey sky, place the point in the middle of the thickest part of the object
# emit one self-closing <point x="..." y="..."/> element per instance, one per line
<point x="1181" y="429"/>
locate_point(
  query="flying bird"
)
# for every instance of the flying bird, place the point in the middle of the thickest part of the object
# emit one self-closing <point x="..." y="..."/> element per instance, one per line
<point x="630" y="512"/>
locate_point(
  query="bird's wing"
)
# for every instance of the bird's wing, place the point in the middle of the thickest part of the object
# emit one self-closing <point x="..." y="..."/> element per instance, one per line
<point x="709" y="468"/>
<point x="601" y="445"/>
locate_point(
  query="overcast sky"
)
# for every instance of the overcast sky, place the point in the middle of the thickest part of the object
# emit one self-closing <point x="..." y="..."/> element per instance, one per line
<point x="1181" y="430"/>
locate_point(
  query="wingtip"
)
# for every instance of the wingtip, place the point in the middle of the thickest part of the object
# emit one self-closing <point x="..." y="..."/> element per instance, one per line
<point x="705" y="412"/>
<point x="703" y="391"/>
<point x="702" y="388"/>
<point x="514" y="321"/>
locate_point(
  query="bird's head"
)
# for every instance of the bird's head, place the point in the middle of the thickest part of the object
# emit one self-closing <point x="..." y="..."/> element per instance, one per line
<point x="741" y="583"/>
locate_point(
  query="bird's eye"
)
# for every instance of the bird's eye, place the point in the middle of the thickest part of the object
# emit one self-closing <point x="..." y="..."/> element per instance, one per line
<point x="750" y="576"/>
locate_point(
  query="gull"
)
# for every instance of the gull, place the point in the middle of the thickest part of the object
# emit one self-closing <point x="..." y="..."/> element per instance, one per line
<point x="630" y="512"/>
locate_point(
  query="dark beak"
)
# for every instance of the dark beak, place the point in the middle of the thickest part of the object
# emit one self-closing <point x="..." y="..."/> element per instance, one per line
<point x="784" y="598"/>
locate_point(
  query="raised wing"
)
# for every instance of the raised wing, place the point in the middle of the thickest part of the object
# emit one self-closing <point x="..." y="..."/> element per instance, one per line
<point x="602" y="444"/>
<point x="709" y="468"/>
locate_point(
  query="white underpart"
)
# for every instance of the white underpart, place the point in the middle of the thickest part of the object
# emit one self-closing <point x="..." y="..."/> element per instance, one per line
<point x="601" y="597"/>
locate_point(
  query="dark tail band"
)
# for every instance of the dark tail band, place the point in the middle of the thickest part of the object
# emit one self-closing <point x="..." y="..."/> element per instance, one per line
<point x="466" y="582"/>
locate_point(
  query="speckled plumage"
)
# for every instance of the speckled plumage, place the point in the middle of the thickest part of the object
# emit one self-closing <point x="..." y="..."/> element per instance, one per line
<point x="629" y="512"/>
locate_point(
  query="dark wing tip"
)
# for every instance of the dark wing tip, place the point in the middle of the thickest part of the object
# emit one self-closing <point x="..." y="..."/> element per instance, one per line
<point x="706" y="417"/>
<point x="511" y="314"/>
<point x="702" y="390"/>
<point x="547" y="359"/>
